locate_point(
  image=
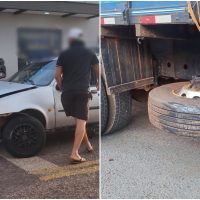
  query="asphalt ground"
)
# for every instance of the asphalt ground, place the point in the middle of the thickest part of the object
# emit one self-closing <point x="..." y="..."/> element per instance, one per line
<point x="49" y="174"/>
<point x="141" y="161"/>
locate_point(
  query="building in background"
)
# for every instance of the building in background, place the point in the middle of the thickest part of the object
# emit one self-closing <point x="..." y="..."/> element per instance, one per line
<point x="31" y="31"/>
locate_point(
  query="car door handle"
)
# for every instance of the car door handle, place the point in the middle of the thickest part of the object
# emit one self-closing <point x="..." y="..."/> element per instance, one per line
<point x="93" y="91"/>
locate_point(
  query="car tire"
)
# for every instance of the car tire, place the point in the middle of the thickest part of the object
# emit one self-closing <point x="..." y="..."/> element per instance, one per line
<point x="119" y="111"/>
<point x="104" y="108"/>
<point x="23" y="136"/>
<point x="172" y="113"/>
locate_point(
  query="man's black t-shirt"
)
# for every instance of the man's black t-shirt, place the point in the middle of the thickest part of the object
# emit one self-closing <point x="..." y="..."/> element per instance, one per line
<point x="76" y="62"/>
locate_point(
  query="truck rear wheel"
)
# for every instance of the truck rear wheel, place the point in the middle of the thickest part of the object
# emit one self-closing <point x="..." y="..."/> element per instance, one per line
<point x="104" y="108"/>
<point x="23" y="136"/>
<point x="172" y="112"/>
<point x="119" y="107"/>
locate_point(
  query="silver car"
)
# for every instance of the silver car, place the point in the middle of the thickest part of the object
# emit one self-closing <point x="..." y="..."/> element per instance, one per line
<point x="30" y="106"/>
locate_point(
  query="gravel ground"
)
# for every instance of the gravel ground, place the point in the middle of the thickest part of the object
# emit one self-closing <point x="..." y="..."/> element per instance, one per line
<point x="17" y="183"/>
<point x="141" y="161"/>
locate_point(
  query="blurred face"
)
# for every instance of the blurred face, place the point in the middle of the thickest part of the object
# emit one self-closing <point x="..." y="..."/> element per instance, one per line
<point x="71" y="40"/>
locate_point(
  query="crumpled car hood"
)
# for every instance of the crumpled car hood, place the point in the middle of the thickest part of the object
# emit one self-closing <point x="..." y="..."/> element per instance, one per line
<point x="9" y="88"/>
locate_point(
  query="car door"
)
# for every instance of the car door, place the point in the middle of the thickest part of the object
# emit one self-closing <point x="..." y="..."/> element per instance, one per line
<point x="94" y="103"/>
<point x="62" y="120"/>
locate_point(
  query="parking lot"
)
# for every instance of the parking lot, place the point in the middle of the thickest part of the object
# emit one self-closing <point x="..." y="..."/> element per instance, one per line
<point x="141" y="161"/>
<point x="49" y="174"/>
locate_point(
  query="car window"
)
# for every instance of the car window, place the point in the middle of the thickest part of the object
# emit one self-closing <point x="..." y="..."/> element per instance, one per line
<point x="40" y="74"/>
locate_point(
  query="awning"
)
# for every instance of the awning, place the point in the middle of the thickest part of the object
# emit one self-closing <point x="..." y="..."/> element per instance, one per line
<point x="86" y="10"/>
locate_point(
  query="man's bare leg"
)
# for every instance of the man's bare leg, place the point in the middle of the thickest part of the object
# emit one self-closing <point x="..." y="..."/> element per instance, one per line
<point x="87" y="142"/>
<point x="79" y="134"/>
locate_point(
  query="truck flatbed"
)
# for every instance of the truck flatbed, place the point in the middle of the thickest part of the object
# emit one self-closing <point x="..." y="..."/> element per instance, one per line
<point x="145" y="12"/>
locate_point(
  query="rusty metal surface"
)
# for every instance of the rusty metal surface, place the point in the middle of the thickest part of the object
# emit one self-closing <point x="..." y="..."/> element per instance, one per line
<point x="120" y="32"/>
<point x="167" y="31"/>
<point x="177" y="58"/>
<point x="125" y="61"/>
<point x="131" y="85"/>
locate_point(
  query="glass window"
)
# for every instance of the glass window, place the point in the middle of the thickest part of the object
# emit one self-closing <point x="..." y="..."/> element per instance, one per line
<point x="39" y="74"/>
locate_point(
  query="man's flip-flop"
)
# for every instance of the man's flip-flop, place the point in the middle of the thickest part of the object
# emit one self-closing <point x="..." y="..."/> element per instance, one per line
<point x="78" y="161"/>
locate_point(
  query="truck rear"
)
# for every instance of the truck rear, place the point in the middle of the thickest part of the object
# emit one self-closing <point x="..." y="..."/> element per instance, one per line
<point x="151" y="46"/>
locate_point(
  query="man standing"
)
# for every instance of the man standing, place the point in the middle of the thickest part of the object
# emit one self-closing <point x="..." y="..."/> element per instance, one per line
<point x="73" y="78"/>
<point x="2" y="69"/>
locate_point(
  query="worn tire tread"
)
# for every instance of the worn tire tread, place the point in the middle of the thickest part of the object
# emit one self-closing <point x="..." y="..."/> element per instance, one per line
<point x="104" y="108"/>
<point x="120" y="111"/>
<point x="178" y="119"/>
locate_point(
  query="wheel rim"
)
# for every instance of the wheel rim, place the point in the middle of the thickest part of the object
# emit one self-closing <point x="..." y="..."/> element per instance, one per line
<point x="190" y="90"/>
<point x="24" y="137"/>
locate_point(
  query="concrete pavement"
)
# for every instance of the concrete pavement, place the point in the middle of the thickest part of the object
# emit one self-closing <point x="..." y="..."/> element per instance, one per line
<point x="141" y="161"/>
<point x="49" y="174"/>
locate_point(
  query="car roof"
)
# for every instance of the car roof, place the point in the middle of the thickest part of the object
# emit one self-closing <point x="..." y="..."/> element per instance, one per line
<point x="44" y="60"/>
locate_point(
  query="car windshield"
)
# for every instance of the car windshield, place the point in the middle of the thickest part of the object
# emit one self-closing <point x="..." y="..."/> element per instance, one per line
<point x="39" y="74"/>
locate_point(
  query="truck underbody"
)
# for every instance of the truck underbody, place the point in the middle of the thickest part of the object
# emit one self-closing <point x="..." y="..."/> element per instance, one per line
<point x="144" y="57"/>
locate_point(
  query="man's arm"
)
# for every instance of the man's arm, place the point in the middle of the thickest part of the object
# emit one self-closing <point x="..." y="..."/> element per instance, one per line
<point x="97" y="73"/>
<point x="58" y="76"/>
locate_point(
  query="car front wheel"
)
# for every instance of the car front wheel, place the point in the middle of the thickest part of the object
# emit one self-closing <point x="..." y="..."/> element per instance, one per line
<point x="23" y="136"/>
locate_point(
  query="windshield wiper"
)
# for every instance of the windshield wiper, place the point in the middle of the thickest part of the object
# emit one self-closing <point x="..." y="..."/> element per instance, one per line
<point x="30" y="81"/>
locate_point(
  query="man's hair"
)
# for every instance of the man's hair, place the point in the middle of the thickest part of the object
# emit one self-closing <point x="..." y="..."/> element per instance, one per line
<point x="1" y="61"/>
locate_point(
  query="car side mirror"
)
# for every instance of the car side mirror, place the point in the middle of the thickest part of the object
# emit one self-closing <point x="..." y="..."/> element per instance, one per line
<point x="2" y="75"/>
<point x="93" y="91"/>
<point x="2" y="69"/>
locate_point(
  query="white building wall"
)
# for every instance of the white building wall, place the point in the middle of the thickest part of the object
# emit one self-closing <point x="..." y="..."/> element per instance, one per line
<point x="8" y="32"/>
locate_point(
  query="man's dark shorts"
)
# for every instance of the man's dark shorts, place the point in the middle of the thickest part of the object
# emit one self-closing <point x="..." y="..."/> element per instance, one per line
<point x="76" y="104"/>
